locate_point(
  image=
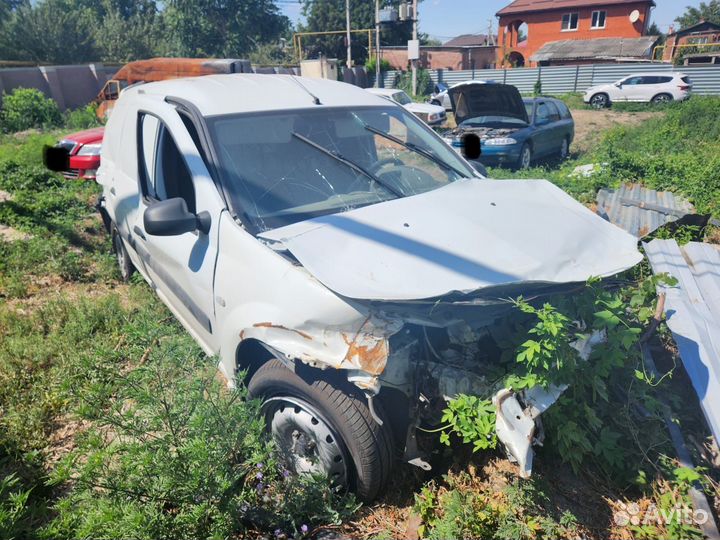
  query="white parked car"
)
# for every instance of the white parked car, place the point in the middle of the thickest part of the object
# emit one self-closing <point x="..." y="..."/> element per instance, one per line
<point x="646" y="88"/>
<point x="441" y="95"/>
<point x="339" y="259"/>
<point x="430" y="114"/>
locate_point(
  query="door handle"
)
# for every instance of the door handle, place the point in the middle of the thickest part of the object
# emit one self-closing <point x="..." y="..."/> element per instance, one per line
<point x="139" y="232"/>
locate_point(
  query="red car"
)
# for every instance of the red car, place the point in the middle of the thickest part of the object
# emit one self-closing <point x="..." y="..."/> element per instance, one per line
<point x="84" y="150"/>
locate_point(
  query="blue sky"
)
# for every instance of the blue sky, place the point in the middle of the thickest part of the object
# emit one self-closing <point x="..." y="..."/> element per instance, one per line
<point x="443" y="19"/>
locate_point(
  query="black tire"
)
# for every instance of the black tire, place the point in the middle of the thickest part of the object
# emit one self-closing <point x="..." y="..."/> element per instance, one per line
<point x="369" y="445"/>
<point x="125" y="266"/>
<point x="662" y="99"/>
<point x="564" y="151"/>
<point x="525" y="159"/>
<point x="600" y="101"/>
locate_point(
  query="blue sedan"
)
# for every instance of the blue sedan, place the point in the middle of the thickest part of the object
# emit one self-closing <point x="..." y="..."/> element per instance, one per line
<point x="513" y="131"/>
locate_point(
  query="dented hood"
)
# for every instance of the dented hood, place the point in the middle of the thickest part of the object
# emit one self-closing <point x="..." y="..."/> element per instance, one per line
<point x="469" y="235"/>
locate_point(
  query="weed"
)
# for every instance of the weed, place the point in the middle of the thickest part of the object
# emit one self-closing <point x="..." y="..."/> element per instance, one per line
<point x="26" y="108"/>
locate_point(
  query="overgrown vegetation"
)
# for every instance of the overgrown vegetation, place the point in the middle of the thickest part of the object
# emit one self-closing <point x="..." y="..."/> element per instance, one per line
<point x="678" y="150"/>
<point x="113" y="424"/>
<point x="27" y="108"/>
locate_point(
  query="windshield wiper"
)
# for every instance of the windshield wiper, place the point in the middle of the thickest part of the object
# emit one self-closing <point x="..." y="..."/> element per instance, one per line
<point x="417" y="149"/>
<point x="349" y="163"/>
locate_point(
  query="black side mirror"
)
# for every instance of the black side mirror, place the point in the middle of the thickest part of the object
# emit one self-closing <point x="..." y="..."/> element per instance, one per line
<point x="172" y="218"/>
<point x="56" y="158"/>
<point x="471" y="146"/>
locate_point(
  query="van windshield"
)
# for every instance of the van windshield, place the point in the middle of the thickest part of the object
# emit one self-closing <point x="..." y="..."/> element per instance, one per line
<point x="279" y="168"/>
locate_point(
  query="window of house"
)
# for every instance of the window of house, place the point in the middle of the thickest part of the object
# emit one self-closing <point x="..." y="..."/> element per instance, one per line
<point x="598" y="19"/>
<point x="570" y="22"/>
<point x="698" y="40"/>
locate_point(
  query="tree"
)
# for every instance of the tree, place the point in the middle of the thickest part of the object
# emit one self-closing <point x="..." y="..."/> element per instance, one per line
<point x="709" y="11"/>
<point x="325" y="15"/>
<point x="121" y="39"/>
<point x="52" y="32"/>
<point x="221" y="28"/>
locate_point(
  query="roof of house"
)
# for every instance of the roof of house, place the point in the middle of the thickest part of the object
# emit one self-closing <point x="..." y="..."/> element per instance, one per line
<point x="529" y="6"/>
<point x="702" y="26"/>
<point x="468" y="40"/>
<point x="604" y="48"/>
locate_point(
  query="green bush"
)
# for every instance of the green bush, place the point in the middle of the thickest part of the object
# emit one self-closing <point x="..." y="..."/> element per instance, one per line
<point x="371" y="66"/>
<point x="82" y="118"/>
<point x="424" y="83"/>
<point x="173" y="454"/>
<point x="26" y="108"/>
<point x="678" y="151"/>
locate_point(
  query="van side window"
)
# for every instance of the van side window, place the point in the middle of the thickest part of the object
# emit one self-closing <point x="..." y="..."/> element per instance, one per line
<point x="163" y="171"/>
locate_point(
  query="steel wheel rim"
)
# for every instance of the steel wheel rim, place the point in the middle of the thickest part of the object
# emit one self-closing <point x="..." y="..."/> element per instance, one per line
<point x="306" y="440"/>
<point x="662" y="99"/>
<point x="598" y="101"/>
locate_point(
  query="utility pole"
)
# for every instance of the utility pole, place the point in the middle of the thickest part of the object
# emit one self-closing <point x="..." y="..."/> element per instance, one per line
<point x="349" y="43"/>
<point x="377" y="44"/>
<point x="415" y="36"/>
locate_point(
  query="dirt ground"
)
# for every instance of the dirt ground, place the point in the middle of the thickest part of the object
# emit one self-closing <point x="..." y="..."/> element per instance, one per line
<point x="590" y="124"/>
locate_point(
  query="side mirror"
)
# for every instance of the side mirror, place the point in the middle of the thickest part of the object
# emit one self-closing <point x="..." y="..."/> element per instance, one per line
<point x="172" y="218"/>
<point x="619" y="85"/>
<point x="56" y="158"/>
<point x="471" y="146"/>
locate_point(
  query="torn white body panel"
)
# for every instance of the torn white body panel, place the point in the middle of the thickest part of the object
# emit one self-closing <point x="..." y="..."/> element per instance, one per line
<point x="468" y="235"/>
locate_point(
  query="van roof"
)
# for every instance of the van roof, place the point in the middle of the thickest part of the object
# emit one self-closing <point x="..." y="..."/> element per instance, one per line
<point x="246" y="93"/>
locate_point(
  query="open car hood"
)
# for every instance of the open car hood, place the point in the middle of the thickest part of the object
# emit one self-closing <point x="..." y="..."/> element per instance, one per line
<point x="474" y="100"/>
<point x="469" y="235"/>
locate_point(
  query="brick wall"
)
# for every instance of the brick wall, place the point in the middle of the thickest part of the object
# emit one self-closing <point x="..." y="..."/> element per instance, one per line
<point x="546" y="26"/>
<point x="453" y="58"/>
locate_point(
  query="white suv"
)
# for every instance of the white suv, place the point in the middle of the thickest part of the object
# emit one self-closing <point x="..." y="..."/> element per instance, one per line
<point x="645" y="88"/>
<point x="338" y="258"/>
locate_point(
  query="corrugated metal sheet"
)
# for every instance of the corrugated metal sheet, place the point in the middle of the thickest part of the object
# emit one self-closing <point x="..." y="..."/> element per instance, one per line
<point x="566" y="79"/>
<point x="692" y="308"/>
<point x="589" y="49"/>
<point x="639" y="210"/>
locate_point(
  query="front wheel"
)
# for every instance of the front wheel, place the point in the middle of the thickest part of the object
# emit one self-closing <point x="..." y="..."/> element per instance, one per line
<point x="525" y="158"/>
<point x="324" y="428"/>
<point x="600" y="101"/>
<point x="564" y="149"/>
<point x="125" y="265"/>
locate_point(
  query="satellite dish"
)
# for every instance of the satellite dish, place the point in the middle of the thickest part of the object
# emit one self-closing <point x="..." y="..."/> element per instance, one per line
<point x="635" y="16"/>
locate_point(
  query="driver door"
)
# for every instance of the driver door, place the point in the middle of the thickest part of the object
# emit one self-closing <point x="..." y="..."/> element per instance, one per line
<point x="181" y="267"/>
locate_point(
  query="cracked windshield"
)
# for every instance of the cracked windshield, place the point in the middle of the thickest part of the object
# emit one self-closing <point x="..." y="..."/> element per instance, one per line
<point x="284" y="167"/>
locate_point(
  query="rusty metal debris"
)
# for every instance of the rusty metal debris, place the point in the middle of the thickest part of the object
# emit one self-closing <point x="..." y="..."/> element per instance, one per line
<point x="640" y="210"/>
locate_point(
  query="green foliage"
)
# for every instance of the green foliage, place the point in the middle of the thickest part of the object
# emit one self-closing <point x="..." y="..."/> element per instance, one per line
<point x="459" y="508"/>
<point x="82" y="118"/>
<point x="13" y="507"/>
<point x="231" y="29"/>
<point x="173" y="454"/>
<point x="706" y="11"/>
<point x="371" y="66"/>
<point x="473" y="419"/>
<point x="26" y="108"/>
<point x="424" y="83"/>
<point x="537" y="89"/>
<point x="325" y="15"/>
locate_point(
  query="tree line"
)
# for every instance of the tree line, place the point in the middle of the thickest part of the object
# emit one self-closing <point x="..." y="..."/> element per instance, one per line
<point x="118" y="31"/>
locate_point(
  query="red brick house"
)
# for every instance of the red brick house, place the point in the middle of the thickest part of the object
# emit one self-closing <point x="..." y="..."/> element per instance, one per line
<point x="469" y="51"/>
<point x="552" y="21"/>
<point x="704" y="34"/>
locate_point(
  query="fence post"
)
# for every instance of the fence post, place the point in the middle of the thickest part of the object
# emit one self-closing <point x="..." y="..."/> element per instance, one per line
<point x="577" y="76"/>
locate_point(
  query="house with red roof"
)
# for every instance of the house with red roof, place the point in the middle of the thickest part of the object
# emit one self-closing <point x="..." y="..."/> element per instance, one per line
<point x="560" y="32"/>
